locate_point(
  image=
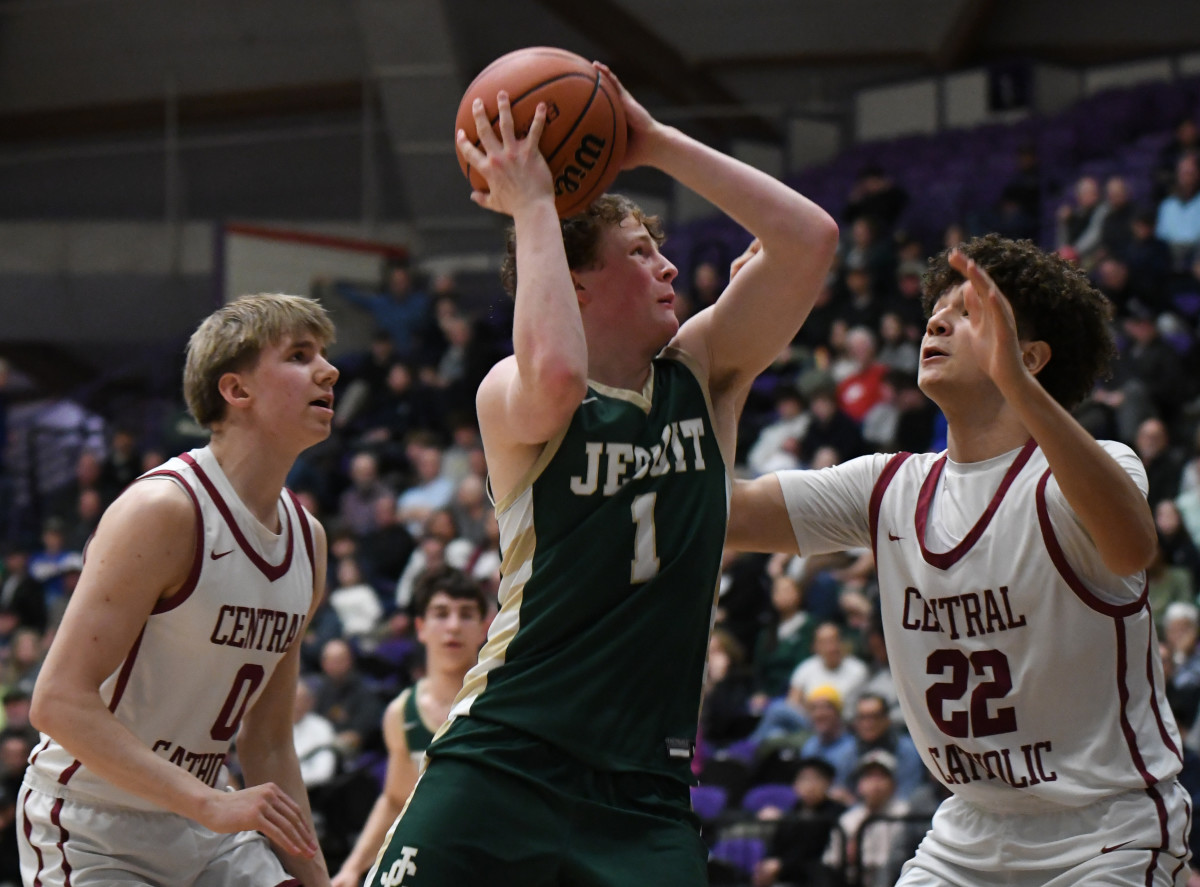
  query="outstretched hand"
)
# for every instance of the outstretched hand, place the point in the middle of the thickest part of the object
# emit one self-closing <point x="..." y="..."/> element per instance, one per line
<point x="262" y="808"/>
<point x="991" y="323"/>
<point x="643" y="128"/>
<point x="515" y="170"/>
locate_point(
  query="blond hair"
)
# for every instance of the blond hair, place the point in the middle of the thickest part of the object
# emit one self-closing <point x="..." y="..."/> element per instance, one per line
<point x="232" y="337"/>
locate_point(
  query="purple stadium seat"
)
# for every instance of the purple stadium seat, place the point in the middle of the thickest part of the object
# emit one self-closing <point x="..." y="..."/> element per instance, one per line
<point x="745" y="853"/>
<point x="708" y="801"/>
<point x="771" y="794"/>
<point x="1187" y="304"/>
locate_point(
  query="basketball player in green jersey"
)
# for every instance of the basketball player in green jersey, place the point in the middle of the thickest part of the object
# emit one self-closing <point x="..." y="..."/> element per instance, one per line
<point x="609" y="437"/>
<point x="451" y="611"/>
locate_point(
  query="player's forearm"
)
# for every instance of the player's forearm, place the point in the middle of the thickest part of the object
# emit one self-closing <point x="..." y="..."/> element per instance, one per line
<point x="84" y="726"/>
<point x="1102" y="494"/>
<point x="275" y="761"/>
<point x="548" y="339"/>
<point x="769" y="209"/>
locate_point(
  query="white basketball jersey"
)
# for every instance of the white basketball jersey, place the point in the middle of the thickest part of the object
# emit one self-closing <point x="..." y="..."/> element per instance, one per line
<point x="1023" y="685"/>
<point x="205" y="653"/>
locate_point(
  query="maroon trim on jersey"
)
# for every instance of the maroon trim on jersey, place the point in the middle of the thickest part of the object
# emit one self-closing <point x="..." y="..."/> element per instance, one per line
<point x="947" y="559"/>
<point x="271" y="571"/>
<point x="881" y="485"/>
<point x="63" y="837"/>
<point x="290" y="882"/>
<point x="1135" y="753"/>
<point x="189" y="584"/>
<point x="126" y="671"/>
<point x="27" y="833"/>
<point x="1059" y="559"/>
<point x="1151" y="655"/>
<point x="41" y="747"/>
<point x="305" y="531"/>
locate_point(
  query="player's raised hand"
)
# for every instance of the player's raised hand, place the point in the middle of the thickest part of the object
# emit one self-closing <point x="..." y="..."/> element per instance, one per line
<point x="992" y="324"/>
<point x="644" y="130"/>
<point x="262" y="808"/>
<point x="515" y="170"/>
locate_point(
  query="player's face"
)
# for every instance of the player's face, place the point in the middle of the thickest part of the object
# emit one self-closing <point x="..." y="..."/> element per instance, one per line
<point x="293" y="384"/>
<point x="946" y="352"/>
<point x="632" y="282"/>
<point x="452" y="630"/>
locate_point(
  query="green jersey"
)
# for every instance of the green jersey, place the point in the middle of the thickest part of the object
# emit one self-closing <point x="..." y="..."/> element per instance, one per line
<point x="611" y="554"/>
<point x="416" y="734"/>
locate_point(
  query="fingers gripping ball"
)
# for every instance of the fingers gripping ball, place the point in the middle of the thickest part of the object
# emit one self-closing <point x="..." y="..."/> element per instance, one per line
<point x="584" y="138"/>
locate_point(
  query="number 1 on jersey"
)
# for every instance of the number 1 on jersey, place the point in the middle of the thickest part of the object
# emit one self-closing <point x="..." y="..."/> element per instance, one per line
<point x="645" y="549"/>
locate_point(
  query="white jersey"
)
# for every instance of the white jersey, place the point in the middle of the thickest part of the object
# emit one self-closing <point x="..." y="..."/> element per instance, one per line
<point x="205" y="653"/>
<point x="1028" y="674"/>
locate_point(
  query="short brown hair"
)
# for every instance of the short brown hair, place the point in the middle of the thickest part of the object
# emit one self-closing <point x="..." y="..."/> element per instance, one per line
<point x="581" y="235"/>
<point x="232" y="337"/>
<point x="1053" y="302"/>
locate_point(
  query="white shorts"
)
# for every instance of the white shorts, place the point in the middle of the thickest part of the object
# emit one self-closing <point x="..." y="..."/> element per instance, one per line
<point x="67" y="841"/>
<point x="1134" y="838"/>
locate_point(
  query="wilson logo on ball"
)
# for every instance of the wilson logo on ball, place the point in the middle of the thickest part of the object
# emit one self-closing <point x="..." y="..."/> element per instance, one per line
<point x="589" y="152"/>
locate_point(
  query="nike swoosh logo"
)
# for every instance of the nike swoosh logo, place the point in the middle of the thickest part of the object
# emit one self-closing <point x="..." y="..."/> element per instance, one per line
<point x="588" y="400"/>
<point x="1115" y="846"/>
<point x="217" y="557"/>
<point x="894" y="538"/>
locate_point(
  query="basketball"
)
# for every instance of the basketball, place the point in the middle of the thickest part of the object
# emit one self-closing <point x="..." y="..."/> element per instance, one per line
<point x="584" y="138"/>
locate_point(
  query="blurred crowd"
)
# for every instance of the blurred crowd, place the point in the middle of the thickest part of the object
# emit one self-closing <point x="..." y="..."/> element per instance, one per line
<point x="798" y="695"/>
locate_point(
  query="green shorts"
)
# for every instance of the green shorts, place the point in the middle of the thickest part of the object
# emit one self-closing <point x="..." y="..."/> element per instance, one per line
<point x="533" y="817"/>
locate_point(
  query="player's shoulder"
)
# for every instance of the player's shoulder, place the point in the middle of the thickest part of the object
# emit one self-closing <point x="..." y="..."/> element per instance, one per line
<point x="154" y="501"/>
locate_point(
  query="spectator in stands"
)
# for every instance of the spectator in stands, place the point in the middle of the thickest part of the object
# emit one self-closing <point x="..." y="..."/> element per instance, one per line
<point x="1163" y="462"/>
<point x="471" y="507"/>
<point x="861" y="378"/>
<point x="15" y="747"/>
<point x="25" y="655"/>
<point x="860" y="304"/>
<point x="49" y="564"/>
<point x="86" y="477"/>
<point x="1186" y="140"/>
<point x="462" y="365"/>
<point x="1116" y="228"/>
<point x="867" y="854"/>
<point x="344" y="698"/>
<point x="783" y="643"/>
<point x="1079" y="224"/>
<point x="1173" y="538"/>
<point x="829" y="666"/>
<point x="830" y="739"/>
<point x="802" y="833"/>
<point x="873" y="730"/>
<point x="356" y="505"/>
<point x="362" y="379"/>
<point x="896" y="350"/>
<point x="743" y="595"/>
<point x="1148" y="378"/>
<point x="875" y="195"/>
<point x="725" y="705"/>
<point x="1179" y="213"/>
<point x="404" y="312"/>
<point x="707" y="284"/>
<point x="404" y="408"/>
<point x="430" y="489"/>
<point x="1167" y="584"/>
<point x="830" y="427"/>
<point x="355" y="601"/>
<point x="385" y="550"/>
<point x="82" y="521"/>
<point x="1148" y="259"/>
<point x="314" y="738"/>
<point x="778" y="442"/>
<point x="20" y="593"/>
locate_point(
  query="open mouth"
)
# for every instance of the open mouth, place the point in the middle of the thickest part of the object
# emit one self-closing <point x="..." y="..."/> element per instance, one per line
<point x="931" y="352"/>
<point x="326" y="402"/>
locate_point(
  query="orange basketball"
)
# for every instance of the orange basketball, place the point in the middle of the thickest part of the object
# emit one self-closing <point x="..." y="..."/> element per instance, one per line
<point x="584" y="138"/>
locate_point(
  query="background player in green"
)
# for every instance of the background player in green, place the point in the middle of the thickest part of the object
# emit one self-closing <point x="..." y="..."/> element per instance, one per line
<point x="609" y="437"/>
<point x="451" y="610"/>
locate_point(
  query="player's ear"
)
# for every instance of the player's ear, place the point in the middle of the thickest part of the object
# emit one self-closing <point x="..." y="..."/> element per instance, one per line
<point x="581" y="292"/>
<point x="1035" y="355"/>
<point x="233" y="389"/>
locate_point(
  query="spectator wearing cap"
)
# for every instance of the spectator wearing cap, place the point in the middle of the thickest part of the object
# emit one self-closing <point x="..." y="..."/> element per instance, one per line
<point x="867" y="854"/>
<point x="830" y="739"/>
<point x="802" y="833"/>
<point x="874" y="731"/>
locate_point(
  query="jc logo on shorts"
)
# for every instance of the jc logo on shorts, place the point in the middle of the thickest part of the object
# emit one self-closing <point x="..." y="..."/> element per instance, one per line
<point x="401" y="868"/>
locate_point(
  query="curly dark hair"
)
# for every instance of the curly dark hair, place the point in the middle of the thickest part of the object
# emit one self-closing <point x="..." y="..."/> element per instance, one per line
<point x="581" y="235"/>
<point x="1053" y="302"/>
